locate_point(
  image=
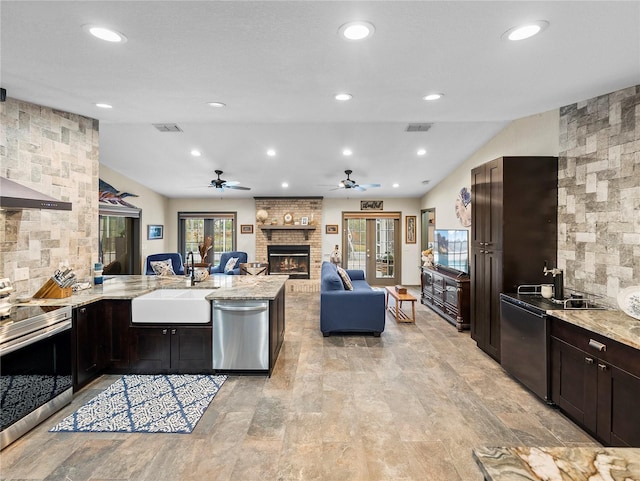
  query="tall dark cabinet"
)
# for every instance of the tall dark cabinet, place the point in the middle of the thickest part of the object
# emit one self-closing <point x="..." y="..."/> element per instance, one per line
<point x="513" y="232"/>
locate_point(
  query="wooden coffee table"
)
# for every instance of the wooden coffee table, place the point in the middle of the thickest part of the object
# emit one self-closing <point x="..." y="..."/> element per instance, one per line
<point x="399" y="299"/>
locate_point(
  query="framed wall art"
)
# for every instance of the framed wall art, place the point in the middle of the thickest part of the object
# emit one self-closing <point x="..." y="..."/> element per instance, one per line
<point x="410" y="229"/>
<point x="246" y="229"/>
<point x="155" y="231"/>
<point x="331" y="229"/>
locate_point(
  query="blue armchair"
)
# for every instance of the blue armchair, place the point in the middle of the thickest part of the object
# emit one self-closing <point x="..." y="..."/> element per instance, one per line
<point x="224" y="258"/>
<point x="176" y="262"/>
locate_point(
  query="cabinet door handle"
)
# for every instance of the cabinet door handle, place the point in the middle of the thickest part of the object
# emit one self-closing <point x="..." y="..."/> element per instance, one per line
<point x="602" y="367"/>
<point x="597" y="345"/>
<point x="588" y="360"/>
<point x="173" y="331"/>
<point x="164" y="331"/>
<point x="83" y="310"/>
<point x="487" y="252"/>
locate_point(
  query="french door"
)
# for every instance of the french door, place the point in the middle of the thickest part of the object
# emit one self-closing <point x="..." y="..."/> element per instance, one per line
<point x="372" y="243"/>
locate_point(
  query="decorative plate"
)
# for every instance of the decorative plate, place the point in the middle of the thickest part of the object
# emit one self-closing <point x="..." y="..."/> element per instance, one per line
<point x="629" y="301"/>
<point x="288" y="218"/>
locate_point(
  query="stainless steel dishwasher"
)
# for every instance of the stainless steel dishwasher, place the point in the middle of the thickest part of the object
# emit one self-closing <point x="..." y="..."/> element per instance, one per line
<point x="241" y="335"/>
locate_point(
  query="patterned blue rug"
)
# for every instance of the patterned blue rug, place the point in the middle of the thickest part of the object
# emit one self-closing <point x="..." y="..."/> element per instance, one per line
<point x="146" y="404"/>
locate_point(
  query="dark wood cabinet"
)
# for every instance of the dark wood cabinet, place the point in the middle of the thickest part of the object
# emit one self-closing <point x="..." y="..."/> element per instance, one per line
<point x="175" y="349"/>
<point x="446" y="292"/>
<point x="596" y="382"/>
<point x="89" y="345"/>
<point x="116" y="315"/>
<point x="513" y="232"/>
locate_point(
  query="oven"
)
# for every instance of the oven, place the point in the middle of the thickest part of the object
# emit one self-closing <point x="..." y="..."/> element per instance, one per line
<point x="35" y="367"/>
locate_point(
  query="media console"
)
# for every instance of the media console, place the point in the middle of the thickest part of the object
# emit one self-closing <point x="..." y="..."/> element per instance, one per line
<point x="447" y="292"/>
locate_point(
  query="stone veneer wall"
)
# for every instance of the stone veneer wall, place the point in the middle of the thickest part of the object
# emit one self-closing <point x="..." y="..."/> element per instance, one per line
<point x="299" y="207"/>
<point x="599" y="193"/>
<point x="55" y="153"/>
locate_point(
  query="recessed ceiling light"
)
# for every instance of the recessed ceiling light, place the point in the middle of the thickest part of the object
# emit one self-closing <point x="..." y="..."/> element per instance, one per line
<point x="196" y="153"/>
<point x="104" y="106"/>
<point x="271" y="153"/>
<point x="285" y="185"/>
<point x="525" y="31"/>
<point x="357" y="30"/>
<point x="421" y="152"/>
<point x="105" y="34"/>
<point x="433" y="97"/>
<point x="347" y="152"/>
<point x="343" y="97"/>
<point x="216" y="104"/>
<point x="396" y="185"/>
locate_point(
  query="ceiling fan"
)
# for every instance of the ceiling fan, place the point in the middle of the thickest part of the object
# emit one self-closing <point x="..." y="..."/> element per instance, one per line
<point x="224" y="184"/>
<point x="350" y="183"/>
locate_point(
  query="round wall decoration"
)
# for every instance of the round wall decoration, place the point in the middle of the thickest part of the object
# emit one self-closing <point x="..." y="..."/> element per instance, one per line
<point x="288" y="218"/>
<point x="463" y="207"/>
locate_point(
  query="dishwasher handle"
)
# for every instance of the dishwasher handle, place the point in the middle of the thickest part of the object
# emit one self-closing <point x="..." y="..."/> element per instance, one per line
<point x="260" y="308"/>
<point x="541" y="315"/>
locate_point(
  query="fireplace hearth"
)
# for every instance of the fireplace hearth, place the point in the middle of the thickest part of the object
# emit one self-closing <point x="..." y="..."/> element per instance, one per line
<point x="292" y="260"/>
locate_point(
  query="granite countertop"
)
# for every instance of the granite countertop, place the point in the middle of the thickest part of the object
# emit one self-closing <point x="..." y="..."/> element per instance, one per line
<point x="558" y="464"/>
<point x="129" y="287"/>
<point x="613" y="324"/>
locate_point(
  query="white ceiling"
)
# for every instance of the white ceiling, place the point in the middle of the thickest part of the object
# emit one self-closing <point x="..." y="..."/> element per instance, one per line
<point x="277" y="65"/>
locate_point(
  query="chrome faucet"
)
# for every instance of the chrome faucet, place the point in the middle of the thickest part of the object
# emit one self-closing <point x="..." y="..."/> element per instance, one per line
<point x="558" y="281"/>
<point x="193" y="270"/>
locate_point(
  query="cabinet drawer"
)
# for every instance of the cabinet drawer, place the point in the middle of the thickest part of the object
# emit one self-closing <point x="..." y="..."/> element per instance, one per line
<point x="618" y="354"/>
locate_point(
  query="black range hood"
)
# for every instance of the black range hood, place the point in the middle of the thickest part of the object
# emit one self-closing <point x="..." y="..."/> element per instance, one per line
<point x="16" y="196"/>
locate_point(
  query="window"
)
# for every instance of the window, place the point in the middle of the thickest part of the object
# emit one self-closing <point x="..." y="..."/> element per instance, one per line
<point x="207" y="235"/>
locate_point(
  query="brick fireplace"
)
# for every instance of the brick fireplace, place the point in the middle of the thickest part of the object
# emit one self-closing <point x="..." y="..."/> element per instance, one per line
<point x="290" y="260"/>
<point x="292" y="235"/>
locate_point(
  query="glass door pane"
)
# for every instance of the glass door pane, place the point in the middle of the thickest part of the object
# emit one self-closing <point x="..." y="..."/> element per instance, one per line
<point x="117" y="244"/>
<point x="356" y="244"/>
<point x="385" y="248"/>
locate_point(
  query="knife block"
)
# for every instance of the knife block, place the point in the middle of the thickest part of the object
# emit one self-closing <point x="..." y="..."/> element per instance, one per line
<point x="51" y="290"/>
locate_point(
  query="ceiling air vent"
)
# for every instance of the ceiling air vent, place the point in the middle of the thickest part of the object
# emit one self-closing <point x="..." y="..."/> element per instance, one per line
<point x="167" y="127"/>
<point x="418" y="127"/>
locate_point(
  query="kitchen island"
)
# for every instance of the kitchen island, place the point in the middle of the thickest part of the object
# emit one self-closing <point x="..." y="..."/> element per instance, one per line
<point x="106" y="340"/>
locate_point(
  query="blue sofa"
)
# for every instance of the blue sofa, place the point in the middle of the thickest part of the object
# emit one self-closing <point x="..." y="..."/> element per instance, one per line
<point x="359" y="310"/>
<point x="224" y="258"/>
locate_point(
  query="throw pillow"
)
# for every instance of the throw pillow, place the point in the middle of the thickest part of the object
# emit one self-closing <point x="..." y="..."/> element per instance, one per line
<point x="346" y="280"/>
<point x="163" y="268"/>
<point x="231" y="263"/>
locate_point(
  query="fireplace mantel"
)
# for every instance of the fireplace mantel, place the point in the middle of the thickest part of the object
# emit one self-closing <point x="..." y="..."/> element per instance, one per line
<point x="267" y="229"/>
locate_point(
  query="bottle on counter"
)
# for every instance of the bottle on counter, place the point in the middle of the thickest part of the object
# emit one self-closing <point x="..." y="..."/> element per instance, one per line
<point x="97" y="273"/>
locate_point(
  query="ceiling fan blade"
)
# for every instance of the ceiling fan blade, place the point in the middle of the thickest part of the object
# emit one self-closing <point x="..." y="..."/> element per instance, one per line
<point x="369" y="186"/>
<point x="228" y="183"/>
<point x="359" y="187"/>
<point x="236" y="187"/>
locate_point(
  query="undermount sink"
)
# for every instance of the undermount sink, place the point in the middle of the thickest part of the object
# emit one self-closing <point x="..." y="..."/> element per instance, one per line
<point x="172" y="306"/>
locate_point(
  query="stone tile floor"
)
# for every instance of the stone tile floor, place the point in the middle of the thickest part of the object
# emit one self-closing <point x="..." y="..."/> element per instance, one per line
<point x="409" y="405"/>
